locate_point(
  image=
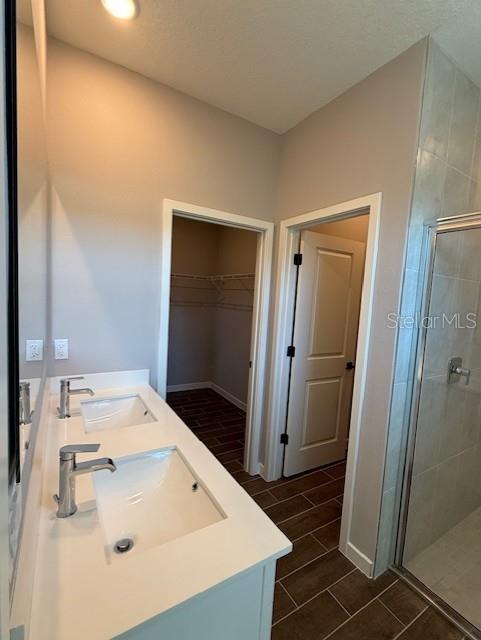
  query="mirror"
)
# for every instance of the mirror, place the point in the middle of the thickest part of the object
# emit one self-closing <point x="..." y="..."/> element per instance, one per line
<point x="32" y="242"/>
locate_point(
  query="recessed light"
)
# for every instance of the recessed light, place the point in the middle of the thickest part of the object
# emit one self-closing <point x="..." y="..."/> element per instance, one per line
<point x="123" y="9"/>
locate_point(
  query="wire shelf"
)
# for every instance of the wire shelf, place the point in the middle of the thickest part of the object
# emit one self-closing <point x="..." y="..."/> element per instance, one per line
<point x="221" y="284"/>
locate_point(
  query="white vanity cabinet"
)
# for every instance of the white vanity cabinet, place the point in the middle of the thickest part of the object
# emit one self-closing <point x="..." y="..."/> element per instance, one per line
<point x="199" y="569"/>
<point x="238" y="609"/>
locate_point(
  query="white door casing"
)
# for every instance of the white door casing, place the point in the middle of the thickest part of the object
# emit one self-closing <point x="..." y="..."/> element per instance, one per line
<point x="325" y="337"/>
<point x="259" y="339"/>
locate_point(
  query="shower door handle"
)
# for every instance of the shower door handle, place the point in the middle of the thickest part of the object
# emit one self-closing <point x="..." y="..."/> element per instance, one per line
<point x="455" y="368"/>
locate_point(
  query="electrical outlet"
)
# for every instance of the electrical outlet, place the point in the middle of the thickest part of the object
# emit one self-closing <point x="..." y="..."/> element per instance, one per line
<point x="33" y="350"/>
<point x="61" y="349"/>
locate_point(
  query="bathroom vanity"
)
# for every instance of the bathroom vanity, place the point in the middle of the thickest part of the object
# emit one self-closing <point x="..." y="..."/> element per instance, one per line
<point x="166" y="546"/>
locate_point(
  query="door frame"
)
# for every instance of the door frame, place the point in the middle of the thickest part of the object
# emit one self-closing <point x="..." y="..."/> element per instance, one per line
<point x="260" y="311"/>
<point x="282" y="322"/>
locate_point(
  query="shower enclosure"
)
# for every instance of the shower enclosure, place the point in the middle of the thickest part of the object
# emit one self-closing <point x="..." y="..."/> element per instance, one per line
<point x="439" y="543"/>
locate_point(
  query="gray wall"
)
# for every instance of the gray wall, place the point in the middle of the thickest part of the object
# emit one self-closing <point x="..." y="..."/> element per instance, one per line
<point x="237" y="251"/>
<point x="118" y="145"/>
<point x="191" y="329"/>
<point x="448" y="178"/>
<point x="210" y="343"/>
<point x="363" y="142"/>
<point x="32" y="203"/>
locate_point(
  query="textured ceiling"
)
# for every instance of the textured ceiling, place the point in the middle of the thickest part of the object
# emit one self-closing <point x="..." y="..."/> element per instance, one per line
<point x="272" y="62"/>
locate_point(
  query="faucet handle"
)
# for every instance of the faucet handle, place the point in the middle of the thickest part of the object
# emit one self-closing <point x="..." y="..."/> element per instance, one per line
<point x="68" y="451"/>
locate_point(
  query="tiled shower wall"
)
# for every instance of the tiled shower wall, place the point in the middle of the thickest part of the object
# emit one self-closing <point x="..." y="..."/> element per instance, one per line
<point x="447" y="182"/>
<point x="446" y="484"/>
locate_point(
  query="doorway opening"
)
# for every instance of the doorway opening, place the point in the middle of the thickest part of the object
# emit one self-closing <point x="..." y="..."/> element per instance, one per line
<point x="215" y="279"/>
<point x="211" y="300"/>
<point x="330" y="270"/>
<point x="290" y="231"/>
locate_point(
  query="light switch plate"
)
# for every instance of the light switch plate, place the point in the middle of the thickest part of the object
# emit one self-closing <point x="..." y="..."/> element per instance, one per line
<point x="34" y="350"/>
<point x="61" y="349"/>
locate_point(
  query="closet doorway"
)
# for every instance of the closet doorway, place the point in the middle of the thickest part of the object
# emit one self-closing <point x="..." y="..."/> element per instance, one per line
<point x="213" y="330"/>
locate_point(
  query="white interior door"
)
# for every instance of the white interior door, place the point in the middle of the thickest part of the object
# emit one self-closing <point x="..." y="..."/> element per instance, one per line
<point x="325" y="336"/>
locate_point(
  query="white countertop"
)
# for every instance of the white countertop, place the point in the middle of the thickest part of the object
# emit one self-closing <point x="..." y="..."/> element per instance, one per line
<point x="78" y="594"/>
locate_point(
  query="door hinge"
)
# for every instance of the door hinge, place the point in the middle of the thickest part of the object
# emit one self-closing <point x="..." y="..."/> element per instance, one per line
<point x="298" y="259"/>
<point x="291" y="352"/>
<point x="284" y="438"/>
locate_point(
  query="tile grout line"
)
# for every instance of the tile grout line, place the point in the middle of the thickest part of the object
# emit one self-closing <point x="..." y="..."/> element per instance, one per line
<point x="310" y="599"/>
<point x="362" y="609"/>
<point x="294" y="495"/>
<point x="332" y="467"/>
<point x="299" y="493"/>
<point x="308" y="499"/>
<point x="302" y="566"/>
<point x="403" y="624"/>
<point x="284" y="617"/>
<point x="324" y="590"/>
<point x="221" y="452"/>
<point x="313" y="531"/>
<point x="306" y="475"/>
<point x="410" y="624"/>
<point x="327" y="590"/>
<point x="338" y="602"/>
<point x="300" y="512"/>
<point x="426" y="606"/>
<point x="289" y="595"/>
<point x="305" y="533"/>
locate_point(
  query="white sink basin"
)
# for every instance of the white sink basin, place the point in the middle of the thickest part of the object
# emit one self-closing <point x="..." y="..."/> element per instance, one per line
<point x="152" y="498"/>
<point x="114" y="413"/>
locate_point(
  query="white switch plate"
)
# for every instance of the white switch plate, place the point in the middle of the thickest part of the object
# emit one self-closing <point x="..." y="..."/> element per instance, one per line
<point x="33" y="350"/>
<point x="61" y="349"/>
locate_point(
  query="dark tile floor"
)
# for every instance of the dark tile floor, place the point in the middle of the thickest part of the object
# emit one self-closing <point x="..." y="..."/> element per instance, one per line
<point x="319" y="593"/>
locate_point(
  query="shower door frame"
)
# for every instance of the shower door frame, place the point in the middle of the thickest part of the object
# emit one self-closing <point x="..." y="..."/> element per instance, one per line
<point x="423" y="299"/>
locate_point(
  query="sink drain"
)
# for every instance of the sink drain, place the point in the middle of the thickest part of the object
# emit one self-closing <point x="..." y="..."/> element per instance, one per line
<point x="123" y="545"/>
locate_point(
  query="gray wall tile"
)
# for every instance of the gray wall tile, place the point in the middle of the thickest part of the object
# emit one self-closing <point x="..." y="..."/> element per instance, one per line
<point x="448" y="444"/>
<point x="463" y="123"/>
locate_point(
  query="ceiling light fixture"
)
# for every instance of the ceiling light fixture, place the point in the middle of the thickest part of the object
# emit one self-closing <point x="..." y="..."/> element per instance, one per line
<point x="122" y="9"/>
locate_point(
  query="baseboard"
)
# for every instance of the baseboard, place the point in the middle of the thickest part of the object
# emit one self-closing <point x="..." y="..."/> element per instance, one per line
<point x="189" y="386"/>
<point x="228" y="396"/>
<point x="362" y="562"/>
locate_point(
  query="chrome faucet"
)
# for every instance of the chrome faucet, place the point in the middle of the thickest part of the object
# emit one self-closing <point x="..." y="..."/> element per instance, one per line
<point x="24" y="399"/>
<point x="69" y="468"/>
<point x="66" y="392"/>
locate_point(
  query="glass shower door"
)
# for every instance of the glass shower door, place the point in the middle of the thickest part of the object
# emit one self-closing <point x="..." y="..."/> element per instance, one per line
<point x="442" y="531"/>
